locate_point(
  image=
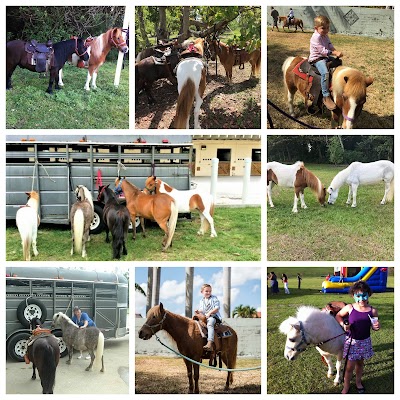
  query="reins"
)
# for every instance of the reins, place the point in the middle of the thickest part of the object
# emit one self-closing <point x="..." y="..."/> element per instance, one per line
<point x="76" y="47"/>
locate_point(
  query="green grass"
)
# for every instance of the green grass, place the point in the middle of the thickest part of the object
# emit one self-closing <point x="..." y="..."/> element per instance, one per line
<point x="335" y="232"/>
<point x="28" y="106"/>
<point x="307" y="374"/>
<point x="238" y="229"/>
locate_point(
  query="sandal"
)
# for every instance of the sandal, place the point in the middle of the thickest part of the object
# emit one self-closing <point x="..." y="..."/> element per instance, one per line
<point x="360" y="390"/>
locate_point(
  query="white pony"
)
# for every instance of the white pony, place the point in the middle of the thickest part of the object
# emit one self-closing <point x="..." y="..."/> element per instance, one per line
<point x="28" y="220"/>
<point x="313" y="327"/>
<point x="358" y="173"/>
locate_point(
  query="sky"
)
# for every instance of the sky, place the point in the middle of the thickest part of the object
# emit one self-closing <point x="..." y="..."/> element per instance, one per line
<point x="245" y="287"/>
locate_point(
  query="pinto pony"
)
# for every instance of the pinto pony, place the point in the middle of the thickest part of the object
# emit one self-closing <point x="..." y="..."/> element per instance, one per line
<point x="28" y="220"/>
<point x="349" y="91"/>
<point x="230" y="56"/>
<point x="296" y="176"/>
<point x="187" y="201"/>
<point x="358" y="173"/>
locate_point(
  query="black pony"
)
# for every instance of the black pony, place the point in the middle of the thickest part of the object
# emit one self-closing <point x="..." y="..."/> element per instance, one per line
<point x="17" y="55"/>
<point x="44" y="353"/>
<point x="116" y="218"/>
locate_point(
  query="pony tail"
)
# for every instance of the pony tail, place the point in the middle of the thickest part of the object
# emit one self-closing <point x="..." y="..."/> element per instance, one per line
<point x="390" y="194"/>
<point x="184" y="104"/>
<point x="98" y="361"/>
<point x="258" y="64"/>
<point x="173" y="218"/>
<point x="79" y="223"/>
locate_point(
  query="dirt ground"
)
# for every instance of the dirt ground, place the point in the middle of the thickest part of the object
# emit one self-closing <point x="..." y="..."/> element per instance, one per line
<point x="235" y="106"/>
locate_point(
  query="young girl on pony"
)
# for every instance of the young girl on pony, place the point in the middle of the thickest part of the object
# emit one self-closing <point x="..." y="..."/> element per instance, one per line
<point x="358" y="346"/>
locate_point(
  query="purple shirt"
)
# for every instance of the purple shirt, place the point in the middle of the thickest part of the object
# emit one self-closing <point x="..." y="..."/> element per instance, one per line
<point x="320" y="46"/>
<point x="360" y="324"/>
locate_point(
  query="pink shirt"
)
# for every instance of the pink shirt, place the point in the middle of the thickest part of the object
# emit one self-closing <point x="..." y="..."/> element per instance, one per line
<point x="320" y="46"/>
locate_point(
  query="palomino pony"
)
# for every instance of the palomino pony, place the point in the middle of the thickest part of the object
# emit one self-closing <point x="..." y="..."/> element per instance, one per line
<point x="81" y="217"/>
<point x="89" y="338"/>
<point x="16" y="55"/>
<point x="44" y="353"/>
<point x="191" y="76"/>
<point x="187" y="201"/>
<point x="296" y="176"/>
<point x="349" y="91"/>
<point x="116" y="220"/>
<point x="230" y="56"/>
<point x="28" y="220"/>
<point x="186" y="333"/>
<point x="160" y="208"/>
<point x="100" y="46"/>
<point x="358" y="173"/>
<point x="313" y="327"/>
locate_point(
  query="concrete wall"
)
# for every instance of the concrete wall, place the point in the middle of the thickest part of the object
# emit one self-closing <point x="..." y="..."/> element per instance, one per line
<point x="375" y="22"/>
<point x="247" y="329"/>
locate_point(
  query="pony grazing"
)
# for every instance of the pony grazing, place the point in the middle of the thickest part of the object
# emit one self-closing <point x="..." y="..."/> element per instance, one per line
<point x="313" y="327"/>
<point x="188" y="337"/>
<point x="296" y="176"/>
<point x="81" y="217"/>
<point x="116" y="220"/>
<point x="231" y="56"/>
<point x="28" y="220"/>
<point x="191" y="76"/>
<point x="187" y="201"/>
<point x="160" y="208"/>
<point x="20" y="53"/>
<point x="90" y="338"/>
<point x="358" y="173"/>
<point x="349" y="91"/>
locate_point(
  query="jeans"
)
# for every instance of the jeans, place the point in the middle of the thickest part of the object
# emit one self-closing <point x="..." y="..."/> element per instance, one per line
<point x="210" y="327"/>
<point x="323" y="70"/>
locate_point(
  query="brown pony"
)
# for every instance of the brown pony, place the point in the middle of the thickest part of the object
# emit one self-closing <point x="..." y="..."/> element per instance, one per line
<point x="229" y="57"/>
<point x="160" y="208"/>
<point x="296" y="22"/>
<point x="190" y="343"/>
<point x="349" y="91"/>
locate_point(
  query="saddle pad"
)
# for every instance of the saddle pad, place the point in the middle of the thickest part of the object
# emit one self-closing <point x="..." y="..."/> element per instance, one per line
<point x="300" y="73"/>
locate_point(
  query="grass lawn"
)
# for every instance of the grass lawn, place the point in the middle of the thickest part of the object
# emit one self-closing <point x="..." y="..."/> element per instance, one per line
<point x="335" y="232"/>
<point x="307" y="374"/>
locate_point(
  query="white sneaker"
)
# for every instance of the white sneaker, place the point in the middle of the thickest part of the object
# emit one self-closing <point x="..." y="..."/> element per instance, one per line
<point x="88" y="357"/>
<point x="79" y="357"/>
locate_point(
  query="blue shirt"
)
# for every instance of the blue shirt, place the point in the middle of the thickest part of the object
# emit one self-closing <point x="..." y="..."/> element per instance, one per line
<point x="81" y="321"/>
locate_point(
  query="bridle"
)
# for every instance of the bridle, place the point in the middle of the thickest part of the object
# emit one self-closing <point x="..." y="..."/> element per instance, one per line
<point x="118" y="189"/>
<point x="156" y="325"/>
<point x="76" y="47"/>
<point x="117" y="45"/>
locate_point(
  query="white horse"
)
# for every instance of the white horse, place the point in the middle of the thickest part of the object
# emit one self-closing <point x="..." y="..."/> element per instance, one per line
<point x="28" y="220"/>
<point x="296" y="176"/>
<point x="358" y="173"/>
<point x="313" y="327"/>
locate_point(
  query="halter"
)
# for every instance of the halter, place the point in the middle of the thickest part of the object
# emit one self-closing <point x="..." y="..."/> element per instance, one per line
<point x="117" y="45"/>
<point x="76" y="47"/>
<point x="118" y="189"/>
<point x="155" y="325"/>
<point x="347" y="118"/>
<point x="101" y="192"/>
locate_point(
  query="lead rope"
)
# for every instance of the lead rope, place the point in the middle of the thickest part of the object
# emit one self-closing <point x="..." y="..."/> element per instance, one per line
<point x="33" y="175"/>
<point x="120" y="166"/>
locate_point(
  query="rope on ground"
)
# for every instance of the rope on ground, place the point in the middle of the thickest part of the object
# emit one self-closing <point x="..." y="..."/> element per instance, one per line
<point x="289" y="116"/>
<point x="203" y="365"/>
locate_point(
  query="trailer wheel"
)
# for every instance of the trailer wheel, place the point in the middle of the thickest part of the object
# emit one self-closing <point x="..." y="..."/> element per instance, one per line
<point x="61" y="343"/>
<point x="30" y="308"/>
<point x="17" y="346"/>
<point x="97" y="224"/>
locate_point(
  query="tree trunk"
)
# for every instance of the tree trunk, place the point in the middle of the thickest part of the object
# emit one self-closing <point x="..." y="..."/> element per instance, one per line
<point x="185" y="33"/>
<point x="142" y="27"/>
<point x="341" y="142"/>
<point x="149" y="288"/>
<point x="162" y="33"/>
<point x="226" y="277"/>
<point x="189" y="292"/>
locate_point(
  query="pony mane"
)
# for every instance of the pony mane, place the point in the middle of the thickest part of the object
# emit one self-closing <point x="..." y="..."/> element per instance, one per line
<point x="313" y="182"/>
<point x="68" y="319"/>
<point x="355" y="85"/>
<point x="339" y="179"/>
<point x="305" y="313"/>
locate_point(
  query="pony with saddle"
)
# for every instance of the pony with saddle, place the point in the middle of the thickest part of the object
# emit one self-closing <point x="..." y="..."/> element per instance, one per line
<point x="160" y="208"/>
<point x="28" y="220"/>
<point x="296" y="176"/>
<point x="44" y="353"/>
<point x="173" y="45"/>
<point x="348" y="89"/>
<point x="190" y="338"/>
<point x="89" y="338"/>
<point x="43" y="57"/>
<point x="358" y="173"/>
<point x="295" y="22"/>
<point x="187" y="201"/>
<point x="116" y="220"/>
<point x="231" y="56"/>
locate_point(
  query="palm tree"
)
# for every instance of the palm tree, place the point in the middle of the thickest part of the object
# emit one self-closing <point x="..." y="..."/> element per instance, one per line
<point x="139" y="289"/>
<point x="242" y="311"/>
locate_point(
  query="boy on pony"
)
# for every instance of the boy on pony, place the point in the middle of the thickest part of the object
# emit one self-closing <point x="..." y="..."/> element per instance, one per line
<point x="321" y="51"/>
<point x="290" y="16"/>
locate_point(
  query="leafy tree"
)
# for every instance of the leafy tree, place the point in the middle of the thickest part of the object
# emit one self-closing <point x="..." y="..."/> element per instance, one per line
<point x="242" y="311"/>
<point x="335" y="150"/>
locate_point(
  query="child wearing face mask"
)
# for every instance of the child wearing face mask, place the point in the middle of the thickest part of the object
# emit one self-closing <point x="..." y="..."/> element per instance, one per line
<point x="358" y="346"/>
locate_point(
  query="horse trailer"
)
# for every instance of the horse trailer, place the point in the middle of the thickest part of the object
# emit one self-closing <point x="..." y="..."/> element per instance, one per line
<point x="54" y="167"/>
<point x="43" y="291"/>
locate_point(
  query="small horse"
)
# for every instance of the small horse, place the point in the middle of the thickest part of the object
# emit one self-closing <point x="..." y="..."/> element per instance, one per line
<point x="16" y="55"/>
<point x="358" y="173"/>
<point x="296" y="176"/>
<point x="185" y="332"/>
<point x="296" y="22"/>
<point x="349" y="91"/>
<point x="162" y="46"/>
<point x="186" y="201"/>
<point x="230" y="56"/>
<point x="116" y="220"/>
<point x="81" y="217"/>
<point x="44" y="353"/>
<point x="28" y="220"/>
<point x="312" y="326"/>
<point x="191" y="76"/>
<point x="160" y="208"/>
<point x="89" y="338"/>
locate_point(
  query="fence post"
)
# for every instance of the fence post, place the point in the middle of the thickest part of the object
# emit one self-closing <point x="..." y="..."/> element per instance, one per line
<point x="214" y="177"/>
<point x="246" y="180"/>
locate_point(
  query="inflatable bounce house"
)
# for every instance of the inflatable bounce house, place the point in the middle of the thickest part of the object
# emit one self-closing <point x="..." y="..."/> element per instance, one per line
<point x="376" y="277"/>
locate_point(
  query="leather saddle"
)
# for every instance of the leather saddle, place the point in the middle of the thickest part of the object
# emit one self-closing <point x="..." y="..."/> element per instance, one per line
<point x="191" y="51"/>
<point x="40" y="54"/>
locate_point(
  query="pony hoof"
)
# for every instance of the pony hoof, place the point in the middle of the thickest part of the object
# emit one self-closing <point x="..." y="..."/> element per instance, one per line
<point x="200" y="233"/>
<point x="88" y="369"/>
<point x="68" y="361"/>
<point x="213" y="235"/>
